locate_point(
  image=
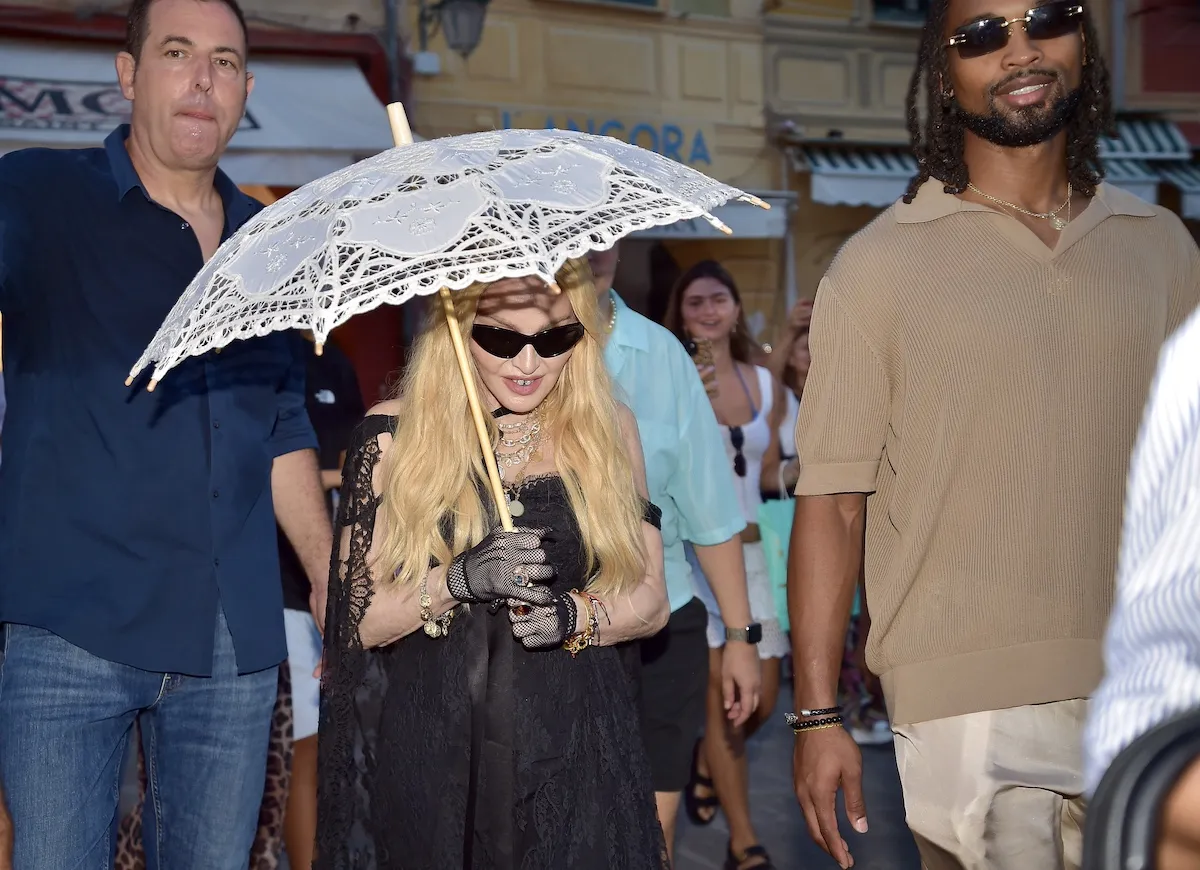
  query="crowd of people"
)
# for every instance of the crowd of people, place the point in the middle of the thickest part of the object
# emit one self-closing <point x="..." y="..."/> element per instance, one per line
<point x="951" y="421"/>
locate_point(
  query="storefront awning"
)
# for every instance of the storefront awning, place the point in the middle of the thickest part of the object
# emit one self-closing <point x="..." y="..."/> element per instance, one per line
<point x="305" y="118"/>
<point x="1186" y="177"/>
<point x="747" y="221"/>
<point x="1146" y="140"/>
<point x="857" y="175"/>
<point x="854" y="176"/>
<point x="1135" y="176"/>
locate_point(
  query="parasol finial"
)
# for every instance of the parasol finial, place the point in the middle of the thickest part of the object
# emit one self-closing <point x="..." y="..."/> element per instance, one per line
<point x="401" y="132"/>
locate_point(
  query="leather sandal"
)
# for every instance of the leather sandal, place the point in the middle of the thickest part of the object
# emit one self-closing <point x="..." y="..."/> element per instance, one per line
<point x="694" y="803"/>
<point x="733" y="862"/>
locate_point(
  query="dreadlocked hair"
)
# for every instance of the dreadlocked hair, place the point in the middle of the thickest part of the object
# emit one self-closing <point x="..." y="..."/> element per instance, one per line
<point x="939" y="146"/>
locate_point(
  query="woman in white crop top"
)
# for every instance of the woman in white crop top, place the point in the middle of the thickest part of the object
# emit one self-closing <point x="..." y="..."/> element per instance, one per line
<point x="705" y="312"/>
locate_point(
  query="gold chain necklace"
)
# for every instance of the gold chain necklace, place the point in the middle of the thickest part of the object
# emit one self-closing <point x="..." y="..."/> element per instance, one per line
<point x="1052" y="216"/>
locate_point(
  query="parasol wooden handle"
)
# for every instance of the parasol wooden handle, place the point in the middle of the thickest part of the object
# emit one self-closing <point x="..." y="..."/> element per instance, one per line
<point x="485" y="439"/>
<point x="402" y="135"/>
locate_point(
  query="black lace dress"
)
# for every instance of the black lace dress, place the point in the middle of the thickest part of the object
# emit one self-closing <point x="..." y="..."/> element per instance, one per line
<point x="469" y="751"/>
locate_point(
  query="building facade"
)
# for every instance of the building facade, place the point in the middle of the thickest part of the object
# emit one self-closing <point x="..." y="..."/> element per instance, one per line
<point x="680" y="77"/>
<point x="1155" y="57"/>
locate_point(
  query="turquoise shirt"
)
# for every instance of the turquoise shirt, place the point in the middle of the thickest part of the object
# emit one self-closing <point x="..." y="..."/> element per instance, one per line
<point x="687" y="472"/>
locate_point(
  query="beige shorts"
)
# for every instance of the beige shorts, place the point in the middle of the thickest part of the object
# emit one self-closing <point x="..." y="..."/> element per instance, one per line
<point x="998" y="790"/>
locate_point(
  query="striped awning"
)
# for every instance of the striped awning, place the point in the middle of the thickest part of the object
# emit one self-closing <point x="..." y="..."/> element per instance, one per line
<point x="856" y="176"/>
<point x="1186" y="177"/>
<point x="879" y="177"/>
<point x="1136" y="176"/>
<point x="1146" y="140"/>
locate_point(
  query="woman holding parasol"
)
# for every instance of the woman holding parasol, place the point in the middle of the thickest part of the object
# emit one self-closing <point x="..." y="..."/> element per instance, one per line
<point x="476" y="710"/>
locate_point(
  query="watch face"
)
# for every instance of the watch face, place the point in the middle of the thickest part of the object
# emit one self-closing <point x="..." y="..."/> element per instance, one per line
<point x="752" y="633"/>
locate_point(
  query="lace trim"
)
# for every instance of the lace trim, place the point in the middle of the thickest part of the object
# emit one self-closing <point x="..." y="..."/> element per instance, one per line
<point x="345" y="661"/>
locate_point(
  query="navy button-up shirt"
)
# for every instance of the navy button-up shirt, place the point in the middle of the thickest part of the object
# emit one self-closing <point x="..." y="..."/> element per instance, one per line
<point x="127" y="518"/>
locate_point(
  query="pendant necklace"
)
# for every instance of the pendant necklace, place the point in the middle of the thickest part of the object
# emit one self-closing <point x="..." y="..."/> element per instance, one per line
<point x="525" y="439"/>
<point x="1052" y="216"/>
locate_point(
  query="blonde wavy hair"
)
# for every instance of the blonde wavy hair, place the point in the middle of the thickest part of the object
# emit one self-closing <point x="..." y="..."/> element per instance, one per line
<point x="433" y="474"/>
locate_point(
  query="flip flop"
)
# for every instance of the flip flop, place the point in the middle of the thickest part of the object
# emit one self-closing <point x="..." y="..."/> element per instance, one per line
<point x="693" y="803"/>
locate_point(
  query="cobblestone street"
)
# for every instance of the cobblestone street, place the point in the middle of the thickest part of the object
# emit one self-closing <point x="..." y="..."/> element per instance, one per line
<point x="887" y="846"/>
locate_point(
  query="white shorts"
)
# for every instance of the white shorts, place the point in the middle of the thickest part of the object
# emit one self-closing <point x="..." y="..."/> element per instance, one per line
<point x="774" y="643"/>
<point x="304" y="654"/>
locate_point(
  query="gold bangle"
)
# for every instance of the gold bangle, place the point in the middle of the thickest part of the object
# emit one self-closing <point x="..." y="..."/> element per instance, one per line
<point x="800" y="731"/>
<point x="581" y="640"/>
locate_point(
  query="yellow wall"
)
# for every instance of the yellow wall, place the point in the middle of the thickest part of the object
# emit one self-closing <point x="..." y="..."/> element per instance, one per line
<point x="834" y="75"/>
<point x="691" y="88"/>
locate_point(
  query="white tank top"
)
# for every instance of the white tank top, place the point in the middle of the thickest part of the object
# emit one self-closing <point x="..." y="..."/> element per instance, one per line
<point x="756" y="435"/>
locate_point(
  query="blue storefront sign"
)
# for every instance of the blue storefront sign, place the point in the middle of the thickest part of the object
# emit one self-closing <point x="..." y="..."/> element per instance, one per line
<point x="670" y="140"/>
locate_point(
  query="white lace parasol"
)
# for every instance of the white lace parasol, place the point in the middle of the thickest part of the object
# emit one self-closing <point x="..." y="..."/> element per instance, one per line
<point x="444" y="213"/>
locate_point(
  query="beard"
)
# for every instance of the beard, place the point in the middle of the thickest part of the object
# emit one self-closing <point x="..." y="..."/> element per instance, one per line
<point x="1023" y="127"/>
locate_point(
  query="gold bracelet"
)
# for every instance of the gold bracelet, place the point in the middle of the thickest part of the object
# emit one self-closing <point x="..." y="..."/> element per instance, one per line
<point x="597" y="607"/>
<point x="581" y="640"/>
<point x="800" y="731"/>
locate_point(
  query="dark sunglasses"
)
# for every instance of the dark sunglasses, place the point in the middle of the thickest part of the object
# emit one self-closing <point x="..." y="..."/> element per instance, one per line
<point x="1041" y="22"/>
<point x="738" y="439"/>
<point x="507" y="343"/>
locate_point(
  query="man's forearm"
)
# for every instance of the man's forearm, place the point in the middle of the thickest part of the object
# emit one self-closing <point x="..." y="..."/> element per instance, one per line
<point x="725" y="569"/>
<point x="6" y="835"/>
<point x="824" y="561"/>
<point x="301" y="512"/>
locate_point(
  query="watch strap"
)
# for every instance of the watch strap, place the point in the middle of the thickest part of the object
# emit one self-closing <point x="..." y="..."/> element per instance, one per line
<point x="752" y="633"/>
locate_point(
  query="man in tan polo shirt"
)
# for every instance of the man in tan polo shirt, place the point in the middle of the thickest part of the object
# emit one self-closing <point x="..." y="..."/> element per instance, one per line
<point x="981" y="354"/>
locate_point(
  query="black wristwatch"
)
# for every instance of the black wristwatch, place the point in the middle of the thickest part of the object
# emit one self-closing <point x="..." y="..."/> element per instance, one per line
<point x="752" y="633"/>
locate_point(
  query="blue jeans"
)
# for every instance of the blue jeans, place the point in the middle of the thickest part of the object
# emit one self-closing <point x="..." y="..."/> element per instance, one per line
<point x="65" y="721"/>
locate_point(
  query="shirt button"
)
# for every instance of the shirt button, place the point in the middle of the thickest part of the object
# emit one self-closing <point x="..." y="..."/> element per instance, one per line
<point x="216" y="424"/>
<point x="216" y="563"/>
<point x="216" y="493"/>
<point x="185" y="226"/>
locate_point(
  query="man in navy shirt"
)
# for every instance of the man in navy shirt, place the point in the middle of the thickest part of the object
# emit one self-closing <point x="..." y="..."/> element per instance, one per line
<point x="139" y="573"/>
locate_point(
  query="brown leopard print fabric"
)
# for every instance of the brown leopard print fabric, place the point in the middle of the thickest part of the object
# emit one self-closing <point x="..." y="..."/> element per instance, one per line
<point x="268" y="842"/>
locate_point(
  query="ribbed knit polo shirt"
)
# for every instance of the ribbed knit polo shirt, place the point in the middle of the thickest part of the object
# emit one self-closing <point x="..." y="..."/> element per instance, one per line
<point x="987" y="389"/>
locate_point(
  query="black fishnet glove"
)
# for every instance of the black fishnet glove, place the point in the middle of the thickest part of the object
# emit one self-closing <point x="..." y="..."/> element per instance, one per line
<point x="547" y="627"/>
<point x="503" y="565"/>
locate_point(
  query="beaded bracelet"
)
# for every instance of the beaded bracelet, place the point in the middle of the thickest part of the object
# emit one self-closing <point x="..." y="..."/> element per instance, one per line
<point x="797" y="724"/>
